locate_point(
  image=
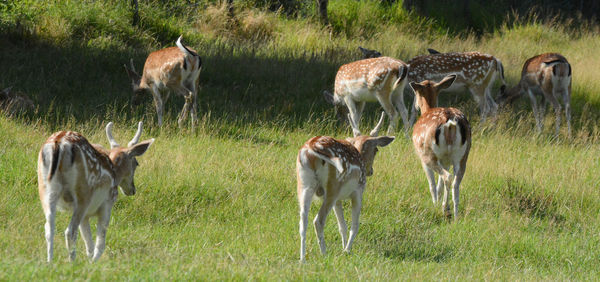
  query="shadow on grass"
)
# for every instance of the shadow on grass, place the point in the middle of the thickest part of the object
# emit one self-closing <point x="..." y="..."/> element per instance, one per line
<point x="524" y="199"/>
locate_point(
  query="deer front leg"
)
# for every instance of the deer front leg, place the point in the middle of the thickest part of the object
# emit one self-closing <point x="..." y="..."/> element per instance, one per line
<point x="538" y="119"/>
<point x="86" y="234"/>
<point x="401" y="107"/>
<point x="356" y="207"/>
<point x="390" y="110"/>
<point x="101" y="226"/>
<point x="354" y="115"/>
<point x="342" y="227"/>
<point x="158" y="103"/>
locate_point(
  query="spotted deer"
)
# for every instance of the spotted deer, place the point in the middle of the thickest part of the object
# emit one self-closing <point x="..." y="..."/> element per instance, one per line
<point x="76" y="176"/>
<point x="377" y="79"/>
<point x="550" y="74"/>
<point x="173" y="68"/>
<point x="442" y="138"/>
<point x="333" y="170"/>
<point x="475" y="71"/>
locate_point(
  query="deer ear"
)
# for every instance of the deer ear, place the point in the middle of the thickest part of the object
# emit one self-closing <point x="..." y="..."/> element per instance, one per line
<point x="446" y="82"/>
<point x="381" y="141"/>
<point x="140" y="148"/>
<point x="416" y="86"/>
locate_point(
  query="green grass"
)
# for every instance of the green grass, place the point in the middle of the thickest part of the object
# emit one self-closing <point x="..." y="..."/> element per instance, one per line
<point x="220" y="203"/>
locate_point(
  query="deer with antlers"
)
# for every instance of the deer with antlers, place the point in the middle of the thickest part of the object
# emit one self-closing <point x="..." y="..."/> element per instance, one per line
<point x="334" y="170"/>
<point x="76" y="176"/>
<point x="442" y="138"/>
<point x="550" y="74"/>
<point x="174" y="68"/>
<point x="475" y="71"/>
<point x="370" y="80"/>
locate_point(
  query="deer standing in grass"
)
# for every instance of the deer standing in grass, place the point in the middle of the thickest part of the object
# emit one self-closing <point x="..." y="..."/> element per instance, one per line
<point x="442" y="138"/>
<point x="475" y="71"/>
<point x="76" y="176"/>
<point x="174" y="68"/>
<point x="377" y="79"/>
<point x="550" y="74"/>
<point x="334" y="170"/>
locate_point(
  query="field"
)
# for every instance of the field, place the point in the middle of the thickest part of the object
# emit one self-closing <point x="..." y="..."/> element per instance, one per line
<point x="220" y="202"/>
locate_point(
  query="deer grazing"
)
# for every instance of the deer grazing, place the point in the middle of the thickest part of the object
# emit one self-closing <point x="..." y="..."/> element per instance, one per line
<point x="76" y="176"/>
<point x="13" y="103"/>
<point x="442" y="138"/>
<point x="474" y="71"/>
<point x="334" y="170"/>
<point x="174" y="68"/>
<point x="550" y="74"/>
<point x="377" y="79"/>
<point x="368" y="53"/>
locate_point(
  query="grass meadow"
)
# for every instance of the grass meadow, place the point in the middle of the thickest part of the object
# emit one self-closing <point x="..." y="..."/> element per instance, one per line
<point x="220" y="202"/>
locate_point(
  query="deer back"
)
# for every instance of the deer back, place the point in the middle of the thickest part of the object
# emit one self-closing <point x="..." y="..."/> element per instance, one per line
<point x="362" y="77"/>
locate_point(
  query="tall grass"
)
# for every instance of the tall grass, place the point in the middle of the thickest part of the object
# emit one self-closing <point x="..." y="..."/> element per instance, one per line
<point x="219" y="203"/>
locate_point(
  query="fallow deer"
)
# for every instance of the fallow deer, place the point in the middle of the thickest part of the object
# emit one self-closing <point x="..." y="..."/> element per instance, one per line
<point x="442" y="138"/>
<point x="474" y="71"/>
<point x="76" y="176"/>
<point x="174" y="68"/>
<point x="334" y="170"/>
<point x="550" y="74"/>
<point x="13" y="103"/>
<point x="377" y="79"/>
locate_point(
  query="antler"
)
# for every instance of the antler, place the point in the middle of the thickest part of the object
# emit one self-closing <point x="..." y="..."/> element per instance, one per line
<point x="136" y="138"/>
<point x="375" y="130"/>
<point x="111" y="140"/>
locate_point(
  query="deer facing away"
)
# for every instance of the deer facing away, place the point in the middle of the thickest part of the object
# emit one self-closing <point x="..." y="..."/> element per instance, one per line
<point x="334" y="170"/>
<point x="173" y="68"/>
<point x="550" y="75"/>
<point x="442" y="138"/>
<point x="76" y="176"/>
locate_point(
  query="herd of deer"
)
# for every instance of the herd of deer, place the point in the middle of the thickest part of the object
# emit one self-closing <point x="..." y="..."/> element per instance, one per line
<point x="77" y="176"/>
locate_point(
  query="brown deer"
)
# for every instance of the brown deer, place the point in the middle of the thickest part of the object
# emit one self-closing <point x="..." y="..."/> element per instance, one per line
<point x="334" y="170"/>
<point x="550" y="74"/>
<point x="371" y="80"/>
<point x="174" y="68"/>
<point x="82" y="178"/>
<point x="442" y="138"/>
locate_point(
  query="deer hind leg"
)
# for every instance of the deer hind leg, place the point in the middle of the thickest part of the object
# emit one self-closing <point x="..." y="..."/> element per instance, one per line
<point x="479" y="96"/>
<point x="342" y="227"/>
<point x="188" y="95"/>
<point x="319" y="221"/>
<point x="356" y="207"/>
<point x="52" y="198"/>
<point x="307" y="185"/>
<point x="551" y="93"/>
<point x="567" y="101"/>
<point x="79" y="208"/>
<point x="431" y="180"/>
<point x="446" y="177"/>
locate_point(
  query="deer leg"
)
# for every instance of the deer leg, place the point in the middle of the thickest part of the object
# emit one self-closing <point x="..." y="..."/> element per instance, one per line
<point x="459" y="172"/>
<point x="319" y="221"/>
<point x="189" y="98"/>
<point x="431" y="180"/>
<point x="480" y="98"/>
<point x="354" y="115"/>
<point x="50" y="213"/>
<point x="79" y="208"/>
<point x="398" y="101"/>
<point x="305" y="198"/>
<point x="86" y="234"/>
<point x="538" y="119"/>
<point x="342" y="227"/>
<point x="446" y="178"/>
<point x="390" y="110"/>
<point x="493" y="107"/>
<point x="440" y="186"/>
<point x="356" y="197"/>
<point x="101" y="226"/>
<point x="567" y="101"/>
<point x="158" y="103"/>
